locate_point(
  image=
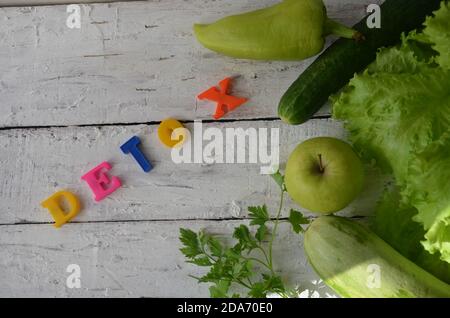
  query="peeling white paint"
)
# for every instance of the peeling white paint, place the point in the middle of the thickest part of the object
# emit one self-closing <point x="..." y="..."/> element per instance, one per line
<point x="235" y="209"/>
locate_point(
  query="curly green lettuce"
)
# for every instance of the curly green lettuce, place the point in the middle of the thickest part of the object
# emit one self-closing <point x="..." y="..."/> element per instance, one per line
<point x="394" y="223"/>
<point x="398" y="115"/>
<point x="437" y="31"/>
<point x="393" y="110"/>
<point x="428" y="189"/>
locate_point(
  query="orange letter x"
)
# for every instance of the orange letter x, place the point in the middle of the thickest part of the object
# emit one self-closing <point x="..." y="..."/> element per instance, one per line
<point x="225" y="102"/>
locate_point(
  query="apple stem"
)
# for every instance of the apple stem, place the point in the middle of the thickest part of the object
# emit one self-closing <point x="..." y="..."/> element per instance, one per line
<point x="321" y="168"/>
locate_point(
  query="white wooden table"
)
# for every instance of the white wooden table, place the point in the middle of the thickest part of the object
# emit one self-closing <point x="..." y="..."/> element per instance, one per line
<point x="70" y="97"/>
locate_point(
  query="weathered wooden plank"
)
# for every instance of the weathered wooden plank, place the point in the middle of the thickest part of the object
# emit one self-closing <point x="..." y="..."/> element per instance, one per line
<point x="131" y="62"/>
<point x="132" y="259"/>
<point x="37" y="162"/>
<point x="17" y="3"/>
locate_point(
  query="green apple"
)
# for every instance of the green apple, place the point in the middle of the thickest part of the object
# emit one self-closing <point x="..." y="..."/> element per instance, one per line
<point x="324" y="175"/>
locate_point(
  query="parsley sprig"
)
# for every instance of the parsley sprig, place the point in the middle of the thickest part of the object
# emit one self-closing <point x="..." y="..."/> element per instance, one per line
<point x="238" y="264"/>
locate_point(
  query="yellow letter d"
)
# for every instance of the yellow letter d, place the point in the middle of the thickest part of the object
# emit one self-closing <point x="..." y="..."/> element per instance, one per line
<point x="60" y="214"/>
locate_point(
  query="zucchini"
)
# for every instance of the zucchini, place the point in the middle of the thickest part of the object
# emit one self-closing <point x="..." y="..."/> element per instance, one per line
<point x="337" y="65"/>
<point x="343" y="252"/>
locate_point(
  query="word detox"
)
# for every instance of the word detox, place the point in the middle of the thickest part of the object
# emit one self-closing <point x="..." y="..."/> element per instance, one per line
<point x="64" y="205"/>
<point x="98" y="180"/>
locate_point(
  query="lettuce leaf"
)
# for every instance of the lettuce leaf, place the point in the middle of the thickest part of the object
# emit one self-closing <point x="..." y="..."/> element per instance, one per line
<point x="437" y="31"/>
<point x="428" y="189"/>
<point x="393" y="110"/>
<point x="398" y="115"/>
<point x="394" y="223"/>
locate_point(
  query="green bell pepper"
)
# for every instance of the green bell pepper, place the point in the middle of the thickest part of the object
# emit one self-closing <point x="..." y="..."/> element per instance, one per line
<point x="289" y="30"/>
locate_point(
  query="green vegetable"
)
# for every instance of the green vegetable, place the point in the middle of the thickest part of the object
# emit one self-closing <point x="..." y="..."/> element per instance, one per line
<point x="235" y="265"/>
<point x="290" y="30"/>
<point x="355" y="262"/>
<point x="398" y="113"/>
<point x="394" y="224"/>
<point x="337" y="65"/>
<point x="437" y="32"/>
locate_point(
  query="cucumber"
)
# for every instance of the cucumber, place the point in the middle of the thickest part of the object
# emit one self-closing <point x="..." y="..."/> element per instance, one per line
<point x="344" y="253"/>
<point x="337" y="65"/>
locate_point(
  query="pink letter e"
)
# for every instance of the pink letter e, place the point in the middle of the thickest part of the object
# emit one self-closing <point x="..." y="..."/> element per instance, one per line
<point x="100" y="184"/>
